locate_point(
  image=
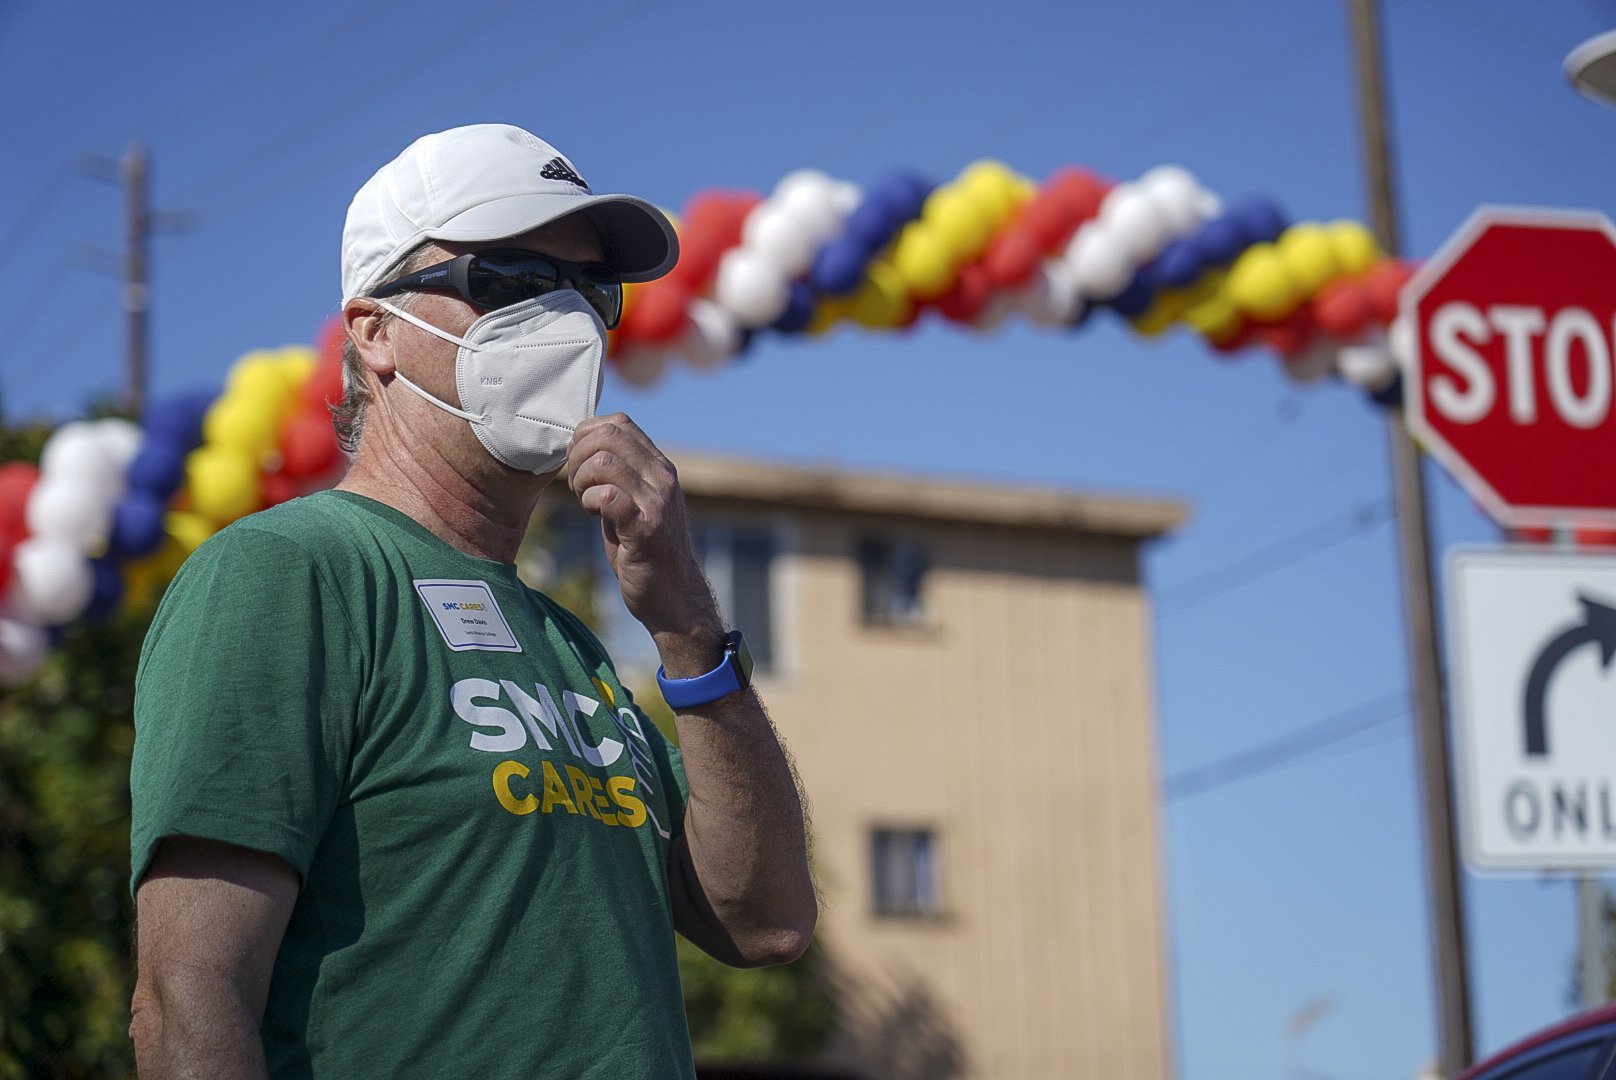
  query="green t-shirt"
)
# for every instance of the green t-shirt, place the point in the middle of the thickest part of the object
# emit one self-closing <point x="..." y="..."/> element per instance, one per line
<point x="480" y="814"/>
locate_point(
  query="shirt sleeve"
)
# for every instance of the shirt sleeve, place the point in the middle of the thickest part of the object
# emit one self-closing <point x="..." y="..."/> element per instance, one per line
<point x="244" y="702"/>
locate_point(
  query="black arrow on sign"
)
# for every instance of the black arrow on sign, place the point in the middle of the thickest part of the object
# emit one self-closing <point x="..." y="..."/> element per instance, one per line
<point x="1599" y="626"/>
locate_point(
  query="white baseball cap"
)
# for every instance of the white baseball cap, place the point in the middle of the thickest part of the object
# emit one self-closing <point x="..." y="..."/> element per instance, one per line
<point x="490" y="182"/>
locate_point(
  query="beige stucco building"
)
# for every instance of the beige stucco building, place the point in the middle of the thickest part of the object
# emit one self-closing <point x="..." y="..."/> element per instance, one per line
<point x="963" y="673"/>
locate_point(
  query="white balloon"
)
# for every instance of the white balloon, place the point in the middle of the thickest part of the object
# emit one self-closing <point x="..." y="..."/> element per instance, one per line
<point x="1312" y="363"/>
<point x="1175" y="195"/>
<point x="1368" y="365"/>
<point x="809" y="179"/>
<point x="641" y="365"/>
<point x="53" y="582"/>
<point x="1130" y="215"/>
<point x="1050" y="297"/>
<point x="69" y="510"/>
<point x="121" y="441"/>
<point x="751" y="287"/>
<point x="711" y="336"/>
<point x="845" y="196"/>
<point x="814" y="205"/>
<point x="22" y="650"/>
<point x="787" y="240"/>
<point x="998" y="308"/>
<point x="1208" y="205"/>
<point x="75" y="452"/>
<point x="1100" y="263"/>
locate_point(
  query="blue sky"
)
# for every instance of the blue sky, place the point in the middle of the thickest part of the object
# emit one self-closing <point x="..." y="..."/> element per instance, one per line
<point x="1301" y="881"/>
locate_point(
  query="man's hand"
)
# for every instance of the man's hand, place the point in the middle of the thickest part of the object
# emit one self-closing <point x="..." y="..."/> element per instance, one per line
<point x="620" y="475"/>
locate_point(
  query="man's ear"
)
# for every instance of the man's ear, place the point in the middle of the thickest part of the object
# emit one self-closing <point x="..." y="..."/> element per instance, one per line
<point x="367" y="329"/>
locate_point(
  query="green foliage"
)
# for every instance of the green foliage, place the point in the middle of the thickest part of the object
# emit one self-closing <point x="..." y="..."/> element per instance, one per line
<point x="65" y="911"/>
<point x="756" y="1015"/>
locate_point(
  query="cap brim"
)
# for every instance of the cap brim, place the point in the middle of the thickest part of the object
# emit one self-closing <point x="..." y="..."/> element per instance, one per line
<point x="640" y="242"/>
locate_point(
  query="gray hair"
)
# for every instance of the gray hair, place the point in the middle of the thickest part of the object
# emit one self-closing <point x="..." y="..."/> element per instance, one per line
<point x="348" y="415"/>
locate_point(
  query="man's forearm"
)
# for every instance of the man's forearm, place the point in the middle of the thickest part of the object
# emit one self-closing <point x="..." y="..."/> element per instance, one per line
<point x="746" y="834"/>
<point x="195" y="1028"/>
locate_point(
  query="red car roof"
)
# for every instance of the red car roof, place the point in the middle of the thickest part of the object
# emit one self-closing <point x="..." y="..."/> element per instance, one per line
<point x="1604" y="1014"/>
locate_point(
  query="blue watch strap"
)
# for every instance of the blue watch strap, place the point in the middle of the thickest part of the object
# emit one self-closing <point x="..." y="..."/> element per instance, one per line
<point x="734" y="672"/>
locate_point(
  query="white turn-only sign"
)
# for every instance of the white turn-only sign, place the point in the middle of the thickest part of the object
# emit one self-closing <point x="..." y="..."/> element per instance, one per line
<point x="1531" y="638"/>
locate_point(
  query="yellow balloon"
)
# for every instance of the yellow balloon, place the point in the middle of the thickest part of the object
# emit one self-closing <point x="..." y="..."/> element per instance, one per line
<point x="223" y="483"/>
<point x="1214" y="318"/>
<point x="881" y="301"/>
<point x="1259" y="283"/>
<point x="244" y="425"/>
<point x="924" y="259"/>
<point x="1309" y="257"/>
<point x="296" y="365"/>
<point x="1162" y="313"/>
<point x="187" y="530"/>
<point x="994" y="188"/>
<point x="830" y="311"/>
<point x="1354" y="246"/>
<point x="955" y="215"/>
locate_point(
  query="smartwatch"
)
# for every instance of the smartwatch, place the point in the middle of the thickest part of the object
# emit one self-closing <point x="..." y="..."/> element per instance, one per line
<point x="733" y="673"/>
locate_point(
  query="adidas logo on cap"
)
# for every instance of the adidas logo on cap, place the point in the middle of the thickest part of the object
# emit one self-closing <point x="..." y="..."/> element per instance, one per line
<point x="557" y="169"/>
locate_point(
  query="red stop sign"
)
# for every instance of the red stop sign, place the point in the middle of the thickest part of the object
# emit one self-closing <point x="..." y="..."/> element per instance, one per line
<point x="1510" y="335"/>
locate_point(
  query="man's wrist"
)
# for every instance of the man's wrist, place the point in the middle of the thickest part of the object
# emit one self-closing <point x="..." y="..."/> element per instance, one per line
<point x="690" y="652"/>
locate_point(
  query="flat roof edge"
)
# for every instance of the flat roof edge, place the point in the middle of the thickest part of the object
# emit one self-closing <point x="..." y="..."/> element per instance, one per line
<point x="705" y="475"/>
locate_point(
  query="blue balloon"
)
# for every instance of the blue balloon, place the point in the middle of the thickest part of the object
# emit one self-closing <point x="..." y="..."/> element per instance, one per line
<point x="871" y="224"/>
<point x="1260" y="220"/>
<point x="1221" y="241"/>
<point x="903" y="194"/>
<point x="137" y="525"/>
<point x="159" y="466"/>
<point x="1390" y="395"/>
<point x="1178" y="265"/>
<point x="838" y="267"/>
<point x="799" y="310"/>
<point x="1136" y="299"/>
<point x="108" y="590"/>
<point x="177" y="420"/>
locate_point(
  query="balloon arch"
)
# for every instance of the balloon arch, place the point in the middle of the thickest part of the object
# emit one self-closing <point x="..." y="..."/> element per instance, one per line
<point x="113" y="508"/>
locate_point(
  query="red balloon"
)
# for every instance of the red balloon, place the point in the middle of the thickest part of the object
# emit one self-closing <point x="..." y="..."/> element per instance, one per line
<point x="658" y="311"/>
<point x="1046" y="221"/>
<point x="965" y="300"/>
<point x="1077" y="192"/>
<point x="1343" y="307"/>
<point x="1012" y="257"/>
<point x="324" y="384"/>
<point x="277" y="488"/>
<point x="1383" y="282"/>
<point x="698" y="260"/>
<point x="308" y="446"/>
<point x="17" y="480"/>
<point x="1291" y="335"/>
<point x="1236" y="341"/>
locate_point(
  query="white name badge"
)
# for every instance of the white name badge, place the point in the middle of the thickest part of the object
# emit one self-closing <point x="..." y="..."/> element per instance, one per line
<point x="467" y="615"/>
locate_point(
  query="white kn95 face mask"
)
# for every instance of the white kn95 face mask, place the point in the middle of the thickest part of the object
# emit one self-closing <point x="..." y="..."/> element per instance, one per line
<point x="528" y="374"/>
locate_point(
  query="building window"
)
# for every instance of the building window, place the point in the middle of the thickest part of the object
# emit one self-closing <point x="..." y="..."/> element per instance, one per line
<point x="738" y="561"/>
<point x="892" y="575"/>
<point x="904" y="862"/>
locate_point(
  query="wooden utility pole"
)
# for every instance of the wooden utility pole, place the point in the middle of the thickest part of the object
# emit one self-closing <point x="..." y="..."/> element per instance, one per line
<point x="1455" y="1042"/>
<point x="136" y="294"/>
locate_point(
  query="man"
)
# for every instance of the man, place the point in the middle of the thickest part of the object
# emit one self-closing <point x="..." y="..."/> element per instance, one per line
<point x="394" y="813"/>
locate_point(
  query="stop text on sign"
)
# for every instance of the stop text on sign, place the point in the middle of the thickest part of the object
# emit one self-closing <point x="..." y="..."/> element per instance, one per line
<point x="1571" y="349"/>
<point x="1508" y="340"/>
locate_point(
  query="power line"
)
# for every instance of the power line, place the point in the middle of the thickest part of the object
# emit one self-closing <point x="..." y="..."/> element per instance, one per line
<point x="1283" y="552"/>
<point x="1288" y="747"/>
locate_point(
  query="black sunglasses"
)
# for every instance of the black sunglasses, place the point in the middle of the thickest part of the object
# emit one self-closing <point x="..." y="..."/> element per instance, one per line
<point x="506" y="276"/>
